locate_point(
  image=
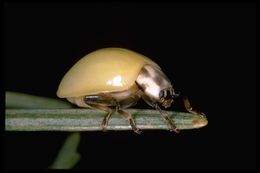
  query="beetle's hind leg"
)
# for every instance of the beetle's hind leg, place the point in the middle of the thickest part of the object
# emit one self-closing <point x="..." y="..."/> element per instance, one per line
<point x="102" y="102"/>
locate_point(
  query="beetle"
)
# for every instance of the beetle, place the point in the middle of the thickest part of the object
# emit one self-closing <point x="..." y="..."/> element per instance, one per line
<point x="112" y="79"/>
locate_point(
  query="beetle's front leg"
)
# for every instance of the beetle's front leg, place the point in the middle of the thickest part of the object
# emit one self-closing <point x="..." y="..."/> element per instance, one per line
<point x="167" y="119"/>
<point x="163" y="114"/>
<point x="189" y="108"/>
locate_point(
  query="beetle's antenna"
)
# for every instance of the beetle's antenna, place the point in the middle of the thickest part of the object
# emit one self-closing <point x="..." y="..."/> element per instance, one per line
<point x="166" y="118"/>
<point x="176" y="95"/>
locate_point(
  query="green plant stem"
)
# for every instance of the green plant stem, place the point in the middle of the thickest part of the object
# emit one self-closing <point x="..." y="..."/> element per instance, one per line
<point x="68" y="156"/>
<point x="90" y="120"/>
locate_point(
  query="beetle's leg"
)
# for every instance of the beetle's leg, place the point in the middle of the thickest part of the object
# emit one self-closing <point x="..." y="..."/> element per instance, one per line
<point x="107" y="116"/>
<point x="166" y="118"/>
<point x="130" y="101"/>
<point x="189" y="108"/>
<point x="102" y="102"/>
<point x="131" y="120"/>
<point x="163" y="114"/>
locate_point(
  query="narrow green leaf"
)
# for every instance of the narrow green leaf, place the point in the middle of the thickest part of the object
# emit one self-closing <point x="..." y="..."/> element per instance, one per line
<point x="48" y="118"/>
<point x="68" y="156"/>
<point x="90" y="120"/>
<point x="26" y="101"/>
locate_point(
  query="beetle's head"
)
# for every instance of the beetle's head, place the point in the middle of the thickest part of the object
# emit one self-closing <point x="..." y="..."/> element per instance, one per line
<point x="167" y="96"/>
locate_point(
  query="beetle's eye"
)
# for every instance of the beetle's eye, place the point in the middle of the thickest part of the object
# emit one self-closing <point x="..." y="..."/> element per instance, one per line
<point x="161" y="94"/>
<point x="166" y="94"/>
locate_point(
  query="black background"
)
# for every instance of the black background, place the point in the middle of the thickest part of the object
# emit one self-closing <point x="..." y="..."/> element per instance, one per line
<point x="208" y="50"/>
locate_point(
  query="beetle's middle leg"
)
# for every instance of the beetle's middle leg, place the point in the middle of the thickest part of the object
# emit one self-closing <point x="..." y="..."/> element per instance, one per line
<point x="130" y="119"/>
<point x="128" y="102"/>
<point x="102" y="102"/>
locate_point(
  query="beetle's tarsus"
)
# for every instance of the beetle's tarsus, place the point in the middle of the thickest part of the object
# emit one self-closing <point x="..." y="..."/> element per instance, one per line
<point x="138" y="131"/>
<point x="104" y="129"/>
<point x="104" y="126"/>
<point x="135" y="129"/>
<point x="105" y="121"/>
<point x="175" y="130"/>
